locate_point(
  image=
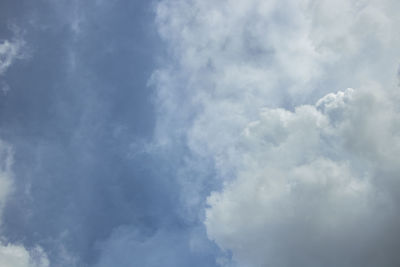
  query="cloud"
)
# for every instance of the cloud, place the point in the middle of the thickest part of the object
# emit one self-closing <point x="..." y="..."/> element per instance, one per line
<point x="314" y="186"/>
<point x="18" y="256"/>
<point x="12" y="254"/>
<point x="229" y="60"/>
<point x="9" y="52"/>
<point x="308" y="170"/>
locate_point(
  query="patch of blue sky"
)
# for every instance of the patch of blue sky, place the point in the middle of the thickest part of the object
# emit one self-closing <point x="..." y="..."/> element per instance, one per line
<point x="77" y="106"/>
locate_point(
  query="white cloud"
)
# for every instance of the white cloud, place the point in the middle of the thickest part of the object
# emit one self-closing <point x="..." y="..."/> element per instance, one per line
<point x="304" y="184"/>
<point x="9" y="51"/>
<point x="311" y="186"/>
<point x="18" y="256"/>
<point x="235" y="57"/>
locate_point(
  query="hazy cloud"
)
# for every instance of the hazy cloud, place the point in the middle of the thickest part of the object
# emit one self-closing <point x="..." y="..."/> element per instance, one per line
<point x="11" y="254"/>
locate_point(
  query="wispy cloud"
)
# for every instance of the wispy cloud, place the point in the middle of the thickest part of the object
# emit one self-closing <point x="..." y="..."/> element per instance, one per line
<point x="9" y="51"/>
<point x="14" y="254"/>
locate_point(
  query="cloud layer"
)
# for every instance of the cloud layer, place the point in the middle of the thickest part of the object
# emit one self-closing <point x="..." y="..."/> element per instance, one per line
<point x="307" y="167"/>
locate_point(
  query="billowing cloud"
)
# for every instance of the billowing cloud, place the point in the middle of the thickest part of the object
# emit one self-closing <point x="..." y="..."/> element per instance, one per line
<point x="309" y="169"/>
<point x="314" y="186"/>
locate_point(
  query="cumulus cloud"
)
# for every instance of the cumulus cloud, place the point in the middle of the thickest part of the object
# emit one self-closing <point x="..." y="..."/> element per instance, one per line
<point x="311" y="188"/>
<point x="309" y="169"/>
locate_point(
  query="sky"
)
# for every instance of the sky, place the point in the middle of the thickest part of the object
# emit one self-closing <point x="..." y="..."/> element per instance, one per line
<point x="233" y="133"/>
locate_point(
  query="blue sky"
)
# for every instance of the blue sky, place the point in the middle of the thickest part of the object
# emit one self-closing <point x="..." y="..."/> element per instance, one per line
<point x="78" y="103"/>
<point x="199" y="133"/>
